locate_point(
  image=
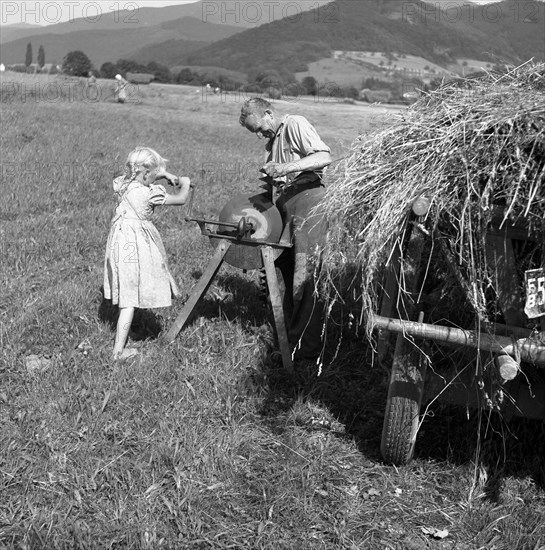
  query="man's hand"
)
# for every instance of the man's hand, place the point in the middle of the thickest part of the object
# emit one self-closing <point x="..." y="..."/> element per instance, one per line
<point x="274" y="169"/>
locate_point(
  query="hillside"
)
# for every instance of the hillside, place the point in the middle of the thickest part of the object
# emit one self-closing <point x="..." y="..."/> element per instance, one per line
<point x="237" y="13"/>
<point x="169" y="52"/>
<point x="110" y="45"/>
<point x="383" y="26"/>
<point x="518" y="25"/>
<point x="509" y="31"/>
<point x="18" y="30"/>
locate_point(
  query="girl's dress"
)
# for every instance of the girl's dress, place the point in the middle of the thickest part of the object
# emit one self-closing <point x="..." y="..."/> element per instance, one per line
<point x="136" y="273"/>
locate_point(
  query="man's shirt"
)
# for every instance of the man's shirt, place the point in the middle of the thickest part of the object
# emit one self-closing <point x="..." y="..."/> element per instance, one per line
<point x="295" y="139"/>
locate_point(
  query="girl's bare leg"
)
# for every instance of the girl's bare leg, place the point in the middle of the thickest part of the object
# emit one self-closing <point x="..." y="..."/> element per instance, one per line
<point x="124" y="322"/>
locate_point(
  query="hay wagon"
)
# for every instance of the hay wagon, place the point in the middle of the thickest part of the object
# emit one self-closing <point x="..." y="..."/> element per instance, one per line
<point x="489" y="358"/>
<point x="438" y="222"/>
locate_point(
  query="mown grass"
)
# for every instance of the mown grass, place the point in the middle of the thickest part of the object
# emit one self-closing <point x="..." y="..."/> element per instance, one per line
<point x="206" y="442"/>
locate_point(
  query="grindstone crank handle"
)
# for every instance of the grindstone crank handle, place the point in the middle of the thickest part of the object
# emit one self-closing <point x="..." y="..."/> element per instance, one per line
<point x="189" y="214"/>
<point x="244" y="227"/>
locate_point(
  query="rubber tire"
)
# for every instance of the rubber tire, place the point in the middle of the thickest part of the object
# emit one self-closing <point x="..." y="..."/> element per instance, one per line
<point x="402" y="415"/>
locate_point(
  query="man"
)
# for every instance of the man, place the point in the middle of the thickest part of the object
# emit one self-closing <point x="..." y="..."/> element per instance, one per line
<point x="296" y="156"/>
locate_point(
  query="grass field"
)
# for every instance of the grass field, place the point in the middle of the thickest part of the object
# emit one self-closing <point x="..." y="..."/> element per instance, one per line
<point x="205" y="443"/>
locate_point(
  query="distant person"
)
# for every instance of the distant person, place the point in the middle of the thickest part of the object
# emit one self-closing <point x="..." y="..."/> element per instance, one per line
<point x="136" y="273"/>
<point x="295" y="159"/>
<point x="120" y="89"/>
<point x="92" y="91"/>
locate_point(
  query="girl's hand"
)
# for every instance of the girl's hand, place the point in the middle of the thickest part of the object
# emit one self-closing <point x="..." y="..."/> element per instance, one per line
<point x="185" y="182"/>
<point x="181" y="194"/>
<point x="171" y="178"/>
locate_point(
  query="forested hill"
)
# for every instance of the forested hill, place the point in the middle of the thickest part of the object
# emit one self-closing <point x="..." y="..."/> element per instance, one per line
<point x="104" y="44"/>
<point x="508" y="33"/>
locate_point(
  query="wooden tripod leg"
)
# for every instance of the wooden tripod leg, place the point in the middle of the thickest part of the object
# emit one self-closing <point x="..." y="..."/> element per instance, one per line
<point x="278" y="310"/>
<point x="199" y="290"/>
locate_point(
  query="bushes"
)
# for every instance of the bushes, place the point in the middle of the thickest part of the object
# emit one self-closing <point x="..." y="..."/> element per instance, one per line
<point x="274" y="93"/>
<point x="376" y="96"/>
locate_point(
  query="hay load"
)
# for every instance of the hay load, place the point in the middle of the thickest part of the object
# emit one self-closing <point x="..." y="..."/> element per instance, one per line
<point x="475" y="148"/>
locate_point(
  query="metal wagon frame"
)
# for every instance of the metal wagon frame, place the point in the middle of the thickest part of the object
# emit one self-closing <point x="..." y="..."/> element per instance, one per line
<point x="511" y="343"/>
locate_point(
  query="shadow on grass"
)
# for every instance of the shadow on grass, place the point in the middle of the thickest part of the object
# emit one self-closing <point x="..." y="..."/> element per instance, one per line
<point x="505" y="448"/>
<point x="146" y="324"/>
<point x="355" y="391"/>
<point x="238" y="299"/>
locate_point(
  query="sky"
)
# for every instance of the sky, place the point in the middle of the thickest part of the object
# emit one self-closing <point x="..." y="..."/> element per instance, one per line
<point x="48" y="12"/>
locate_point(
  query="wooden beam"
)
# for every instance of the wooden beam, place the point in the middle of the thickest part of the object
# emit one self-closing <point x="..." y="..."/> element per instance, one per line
<point x="527" y="349"/>
<point x="277" y="306"/>
<point x="198" y="290"/>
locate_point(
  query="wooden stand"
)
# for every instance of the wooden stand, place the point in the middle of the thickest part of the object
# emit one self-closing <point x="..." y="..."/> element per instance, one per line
<point x="204" y="284"/>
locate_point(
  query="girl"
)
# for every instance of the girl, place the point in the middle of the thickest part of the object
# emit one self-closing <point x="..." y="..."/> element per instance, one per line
<point x="136" y="274"/>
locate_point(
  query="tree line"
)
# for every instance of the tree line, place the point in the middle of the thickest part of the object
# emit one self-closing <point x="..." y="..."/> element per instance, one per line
<point x="270" y="81"/>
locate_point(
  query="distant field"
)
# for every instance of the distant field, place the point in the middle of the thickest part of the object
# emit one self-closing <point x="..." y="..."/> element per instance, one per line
<point x="466" y="66"/>
<point x="351" y="68"/>
<point x="343" y="72"/>
<point x="205" y="443"/>
<point x="400" y="63"/>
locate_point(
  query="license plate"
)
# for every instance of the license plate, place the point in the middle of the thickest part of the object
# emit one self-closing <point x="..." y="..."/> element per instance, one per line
<point x="535" y="293"/>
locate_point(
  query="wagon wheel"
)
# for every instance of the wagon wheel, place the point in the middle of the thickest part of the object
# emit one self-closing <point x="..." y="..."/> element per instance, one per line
<point x="405" y="393"/>
<point x="406" y="387"/>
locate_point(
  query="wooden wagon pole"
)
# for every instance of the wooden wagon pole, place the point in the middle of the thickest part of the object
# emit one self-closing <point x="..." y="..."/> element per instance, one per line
<point x="523" y="349"/>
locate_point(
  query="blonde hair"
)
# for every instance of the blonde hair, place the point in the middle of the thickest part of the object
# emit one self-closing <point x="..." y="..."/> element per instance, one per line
<point x="142" y="158"/>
